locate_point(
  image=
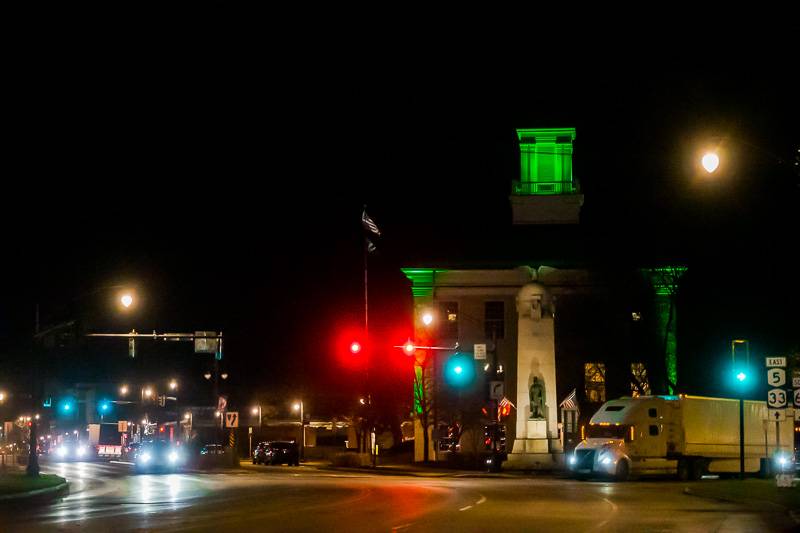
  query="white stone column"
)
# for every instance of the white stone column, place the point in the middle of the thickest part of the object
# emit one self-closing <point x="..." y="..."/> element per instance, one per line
<point x="536" y="358"/>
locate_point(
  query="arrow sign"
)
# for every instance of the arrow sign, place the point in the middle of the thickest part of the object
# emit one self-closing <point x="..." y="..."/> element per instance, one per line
<point x="232" y="419"/>
<point x="777" y="415"/>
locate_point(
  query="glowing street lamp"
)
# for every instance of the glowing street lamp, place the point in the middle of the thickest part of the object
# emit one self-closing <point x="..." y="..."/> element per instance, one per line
<point x="126" y="300"/>
<point x="123" y="390"/>
<point x="173" y="385"/>
<point x="298" y="406"/>
<point x="710" y="162"/>
<point x="427" y="318"/>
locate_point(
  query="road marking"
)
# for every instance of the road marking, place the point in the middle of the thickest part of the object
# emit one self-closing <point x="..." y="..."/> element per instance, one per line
<point x="403" y="526"/>
<point x="465" y="508"/>
<point x="483" y="499"/>
<point x="613" y="512"/>
<point x="122" y="463"/>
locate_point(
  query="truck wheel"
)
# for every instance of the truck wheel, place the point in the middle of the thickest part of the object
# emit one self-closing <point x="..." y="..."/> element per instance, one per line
<point x="623" y="471"/>
<point x="683" y="470"/>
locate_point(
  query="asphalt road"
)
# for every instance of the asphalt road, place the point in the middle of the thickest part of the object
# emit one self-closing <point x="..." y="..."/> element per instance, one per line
<point x="108" y="497"/>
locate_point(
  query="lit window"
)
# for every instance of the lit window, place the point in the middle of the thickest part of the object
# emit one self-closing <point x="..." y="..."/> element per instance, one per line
<point x="449" y="327"/>
<point x="595" y="382"/>
<point x="640" y="384"/>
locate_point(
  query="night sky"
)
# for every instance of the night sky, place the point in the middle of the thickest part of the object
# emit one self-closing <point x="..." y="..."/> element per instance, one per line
<point x="231" y="199"/>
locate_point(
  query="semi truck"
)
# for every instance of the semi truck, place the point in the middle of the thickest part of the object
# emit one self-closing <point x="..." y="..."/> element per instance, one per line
<point x="687" y="436"/>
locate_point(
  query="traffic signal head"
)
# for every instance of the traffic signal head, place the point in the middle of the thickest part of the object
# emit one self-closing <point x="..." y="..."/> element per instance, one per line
<point x="459" y="370"/>
<point x="741" y="376"/>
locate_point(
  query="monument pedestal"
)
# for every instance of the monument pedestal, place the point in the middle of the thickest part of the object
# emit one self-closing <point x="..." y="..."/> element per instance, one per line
<point x="535" y="450"/>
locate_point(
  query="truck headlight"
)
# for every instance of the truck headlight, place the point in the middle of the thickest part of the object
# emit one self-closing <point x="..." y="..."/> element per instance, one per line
<point x="80" y="452"/>
<point x="61" y="452"/>
<point x="145" y="457"/>
<point x="173" y="457"/>
<point x="572" y="460"/>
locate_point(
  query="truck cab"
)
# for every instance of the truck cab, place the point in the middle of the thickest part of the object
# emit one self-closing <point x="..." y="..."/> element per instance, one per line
<point x="629" y="434"/>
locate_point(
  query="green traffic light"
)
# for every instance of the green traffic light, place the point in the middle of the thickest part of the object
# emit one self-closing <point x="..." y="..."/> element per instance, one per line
<point x="741" y="376"/>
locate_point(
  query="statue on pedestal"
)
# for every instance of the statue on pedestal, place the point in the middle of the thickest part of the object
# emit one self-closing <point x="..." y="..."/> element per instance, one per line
<point x="537" y="400"/>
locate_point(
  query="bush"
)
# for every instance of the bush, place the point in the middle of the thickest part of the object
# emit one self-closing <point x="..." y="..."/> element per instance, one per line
<point x="351" y="460"/>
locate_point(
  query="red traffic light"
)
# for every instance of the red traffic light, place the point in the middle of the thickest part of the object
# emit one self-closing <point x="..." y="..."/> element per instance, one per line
<point x="355" y="347"/>
<point x="409" y="348"/>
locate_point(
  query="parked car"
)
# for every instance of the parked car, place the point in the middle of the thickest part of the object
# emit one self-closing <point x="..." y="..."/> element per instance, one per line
<point x="212" y="449"/>
<point x="277" y="452"/>
<point x="158" y="455"/>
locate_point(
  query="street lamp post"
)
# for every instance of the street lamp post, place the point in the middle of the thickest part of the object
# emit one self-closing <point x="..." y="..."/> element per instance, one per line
<point x="299" y="406"/>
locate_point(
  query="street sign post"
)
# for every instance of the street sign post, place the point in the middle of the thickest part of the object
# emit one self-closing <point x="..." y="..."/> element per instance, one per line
<point x="480" y="351"/>
<point x="776" y="377"/>
<point x="776" y="361"/>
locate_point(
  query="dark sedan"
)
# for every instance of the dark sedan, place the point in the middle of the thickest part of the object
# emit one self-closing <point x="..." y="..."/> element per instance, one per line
<point x="158" y="456"/>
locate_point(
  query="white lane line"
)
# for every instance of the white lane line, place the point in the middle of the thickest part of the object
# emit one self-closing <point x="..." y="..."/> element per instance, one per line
<point x="402" y="526"/>
<point x="483" y="499"/>
<point x="122" y="463"/>
<point x="613" y="512"/>
<point x="465" y="508"/>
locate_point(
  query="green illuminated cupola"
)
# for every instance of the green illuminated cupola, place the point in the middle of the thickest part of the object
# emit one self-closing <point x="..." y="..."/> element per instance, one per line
<point x="546" y="192"/>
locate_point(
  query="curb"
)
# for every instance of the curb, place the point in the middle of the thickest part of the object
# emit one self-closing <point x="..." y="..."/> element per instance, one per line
<point x="34" y="494"/>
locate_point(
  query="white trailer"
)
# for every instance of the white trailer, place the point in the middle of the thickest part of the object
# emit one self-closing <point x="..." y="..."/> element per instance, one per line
<point x="684" y="435"/>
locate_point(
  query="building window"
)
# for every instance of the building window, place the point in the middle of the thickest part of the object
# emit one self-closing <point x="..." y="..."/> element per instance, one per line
<point x="640" y="384"/>
<point x="595" y="382"/>
<point x="654" y="431"/>
<point x="448" y="311"/>
<point x="494" y="320"/>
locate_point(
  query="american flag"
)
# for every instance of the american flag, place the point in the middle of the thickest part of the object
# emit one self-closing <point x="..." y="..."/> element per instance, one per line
<point x="369" y="225"/>
<point x="570" y="402"/>
<point x="505" y="401"/>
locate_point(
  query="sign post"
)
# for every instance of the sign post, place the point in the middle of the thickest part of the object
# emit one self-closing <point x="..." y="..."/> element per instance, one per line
<point x="776" y="395"/>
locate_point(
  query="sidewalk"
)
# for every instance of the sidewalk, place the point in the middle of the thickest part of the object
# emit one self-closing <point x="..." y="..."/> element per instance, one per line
<point x="429" y="471"/>
<point x="756" y="493"/>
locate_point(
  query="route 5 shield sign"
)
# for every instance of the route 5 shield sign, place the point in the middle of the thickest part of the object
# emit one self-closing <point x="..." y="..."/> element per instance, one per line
<point x="776" y="398"/>
<point x="776" y="377"/>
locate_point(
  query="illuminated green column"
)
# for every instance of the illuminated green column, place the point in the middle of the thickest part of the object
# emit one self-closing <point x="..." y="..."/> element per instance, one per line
<point x="665" y="283"/>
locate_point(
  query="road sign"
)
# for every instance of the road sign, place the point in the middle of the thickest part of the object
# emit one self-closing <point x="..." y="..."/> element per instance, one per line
<point x="221" y="404"/>
<point x="776" y="398"/>
<point x="232" y="419"/>
<point x="122" y="426"/>
<point x="496" y="390"/>
<point x="776" y="377"/>
<point x="797" y="397"/>
<point x="796" y="382"/>
<point x="777" y="415"/>
<point x="776" y="361"/>
<point x="479" y="351"/>
<point x="205" y="342"/>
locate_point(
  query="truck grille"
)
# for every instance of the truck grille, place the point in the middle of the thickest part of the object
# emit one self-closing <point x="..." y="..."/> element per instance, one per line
<point x="584" y="459"/>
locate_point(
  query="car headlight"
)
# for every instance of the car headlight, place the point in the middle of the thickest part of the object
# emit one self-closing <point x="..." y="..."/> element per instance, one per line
<point x="80" y="452"/>
<point x="61" y="452"/>
<point x="173" y="457"/>
<point x="572" y="460"/>
<point x="145" y="457"/>
<point x="606" y="460"/>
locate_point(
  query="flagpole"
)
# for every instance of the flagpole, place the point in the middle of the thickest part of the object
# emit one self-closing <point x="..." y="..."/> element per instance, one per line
<point x="367" y="438"/>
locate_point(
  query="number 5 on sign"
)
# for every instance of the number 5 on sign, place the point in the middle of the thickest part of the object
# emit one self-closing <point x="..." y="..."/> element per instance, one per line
<point x="776" y="377"/>
<point x="776" y="398"/>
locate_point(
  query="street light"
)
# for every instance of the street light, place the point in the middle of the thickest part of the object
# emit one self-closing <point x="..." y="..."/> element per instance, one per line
<point x="127" y="300"/>
<point x="123" y="390"/>
<point x="173" y="385"/>
<point x="710" y="162"/>
<point x="298" y="406"/>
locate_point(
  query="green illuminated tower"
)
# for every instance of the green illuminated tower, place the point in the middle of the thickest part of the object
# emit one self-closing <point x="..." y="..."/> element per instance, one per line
<point x="665" y="283"/>
<point x="546" y="192"/>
